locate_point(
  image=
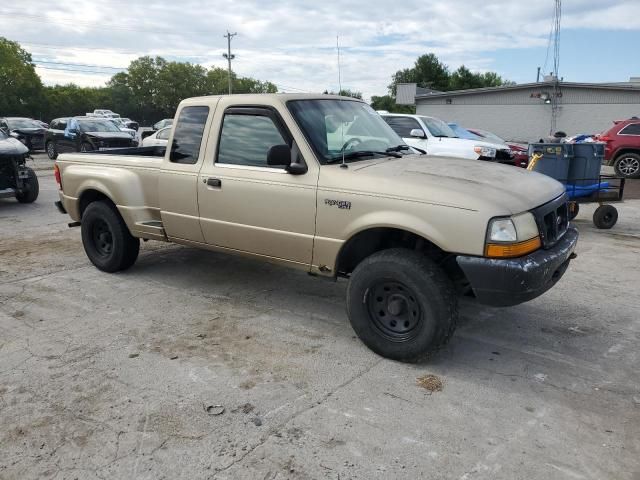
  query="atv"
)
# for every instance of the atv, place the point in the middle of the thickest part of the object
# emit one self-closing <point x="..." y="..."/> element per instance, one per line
<point x="16" y="179"/>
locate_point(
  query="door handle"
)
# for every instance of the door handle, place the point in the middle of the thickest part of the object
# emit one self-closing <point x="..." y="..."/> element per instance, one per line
<point x="214" y="182"/>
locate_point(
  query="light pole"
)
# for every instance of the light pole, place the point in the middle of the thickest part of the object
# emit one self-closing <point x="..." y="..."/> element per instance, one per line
<point x="228" y="55"/>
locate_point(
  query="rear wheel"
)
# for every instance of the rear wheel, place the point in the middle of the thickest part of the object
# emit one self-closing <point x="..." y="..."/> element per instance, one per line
<point x="52" y="152"/>
<point x="31" y="189"/>
<point x="401" y="305"/>
<point x="627" y="165"/>
<point x="605" y="216"/>
<point x="106" y="238"/>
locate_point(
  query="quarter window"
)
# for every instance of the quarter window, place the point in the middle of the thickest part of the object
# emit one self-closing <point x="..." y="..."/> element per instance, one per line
<point x="187" y="137"/>
<point x="631" y="129"/>
<point x="246" y="139"/>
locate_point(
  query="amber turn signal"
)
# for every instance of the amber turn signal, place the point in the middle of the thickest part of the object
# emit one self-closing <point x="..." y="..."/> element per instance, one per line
<point x="511" y="250"/>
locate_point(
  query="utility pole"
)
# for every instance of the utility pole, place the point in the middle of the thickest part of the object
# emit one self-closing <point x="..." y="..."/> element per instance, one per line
<point x="228" y="55"/>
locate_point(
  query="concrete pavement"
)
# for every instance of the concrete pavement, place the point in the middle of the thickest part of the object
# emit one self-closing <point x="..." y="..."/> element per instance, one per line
<point x="110" y="376"/>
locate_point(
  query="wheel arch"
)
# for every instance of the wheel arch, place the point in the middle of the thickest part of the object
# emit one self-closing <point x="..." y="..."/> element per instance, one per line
<point x="368" y="241"/>
<point x="90" y="195"/>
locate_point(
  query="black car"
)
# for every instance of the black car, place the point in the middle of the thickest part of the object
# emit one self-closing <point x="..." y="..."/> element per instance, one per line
<point x="27" y="130"/>
<point x="16" y="179"/>
<point x="84" y="134"/>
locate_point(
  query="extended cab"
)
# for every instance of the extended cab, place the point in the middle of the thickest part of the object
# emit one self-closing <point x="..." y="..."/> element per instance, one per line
<point x="324" y="185"/>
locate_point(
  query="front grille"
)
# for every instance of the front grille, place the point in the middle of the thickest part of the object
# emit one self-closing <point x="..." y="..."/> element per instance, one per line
<point x="504" y="155"/>
<point x="118" y="143"/>
<point x="553" y="220"/>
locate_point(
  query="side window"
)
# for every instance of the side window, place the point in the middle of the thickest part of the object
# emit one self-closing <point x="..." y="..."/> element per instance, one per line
<point x="246" y="139"/>
<point x="62" y="124"/>
<point x="188" y="135"/>
<point x="402" y="125"/>
<point x="631" y="129"/>
<point x="163" y="134"/>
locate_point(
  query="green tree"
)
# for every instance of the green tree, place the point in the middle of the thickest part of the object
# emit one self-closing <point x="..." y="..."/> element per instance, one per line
<point x="427" y="72"/>
<point x="20" y="85"/>
<point x="142" y="79"/>
<point x="388" y="103"/>
<point x="176" y="81"/>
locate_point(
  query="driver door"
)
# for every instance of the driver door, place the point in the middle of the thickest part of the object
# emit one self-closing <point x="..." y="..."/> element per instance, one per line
<point x="247" y="205"/>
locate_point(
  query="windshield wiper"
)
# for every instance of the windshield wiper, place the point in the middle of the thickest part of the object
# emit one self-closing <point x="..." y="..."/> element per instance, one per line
<point x="362" y="153"/>
<point x="398" y="148"/>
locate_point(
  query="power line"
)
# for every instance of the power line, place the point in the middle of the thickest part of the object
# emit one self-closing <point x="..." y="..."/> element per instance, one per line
<point x="77" y="64"/>
<point x="73" y="70"/>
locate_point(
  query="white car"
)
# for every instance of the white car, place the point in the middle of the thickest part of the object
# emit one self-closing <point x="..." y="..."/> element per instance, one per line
<point x="437" y="138"/>
<point x="158" y="139"/>
<point x="123" y="127"/>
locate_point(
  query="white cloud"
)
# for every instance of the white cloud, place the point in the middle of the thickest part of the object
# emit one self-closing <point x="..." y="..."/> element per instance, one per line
<point x="292" y="42"/>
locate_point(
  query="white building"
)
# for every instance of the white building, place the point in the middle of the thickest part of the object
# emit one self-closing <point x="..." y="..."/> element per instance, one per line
<point x="525" y="112"/>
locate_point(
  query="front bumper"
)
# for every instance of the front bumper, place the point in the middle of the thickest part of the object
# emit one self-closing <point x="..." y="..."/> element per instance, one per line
<point x="506" y="282"/>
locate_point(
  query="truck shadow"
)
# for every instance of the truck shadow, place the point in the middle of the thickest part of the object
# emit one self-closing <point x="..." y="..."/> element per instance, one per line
<point x="483" y="337"/>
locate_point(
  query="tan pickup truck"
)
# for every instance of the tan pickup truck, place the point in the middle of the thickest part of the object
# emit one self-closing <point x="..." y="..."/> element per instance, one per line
<point x="321" y="183"/>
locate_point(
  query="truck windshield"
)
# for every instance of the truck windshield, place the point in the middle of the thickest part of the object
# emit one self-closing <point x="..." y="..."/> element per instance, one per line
<point x="438" y="128"/>
<point x="97" y="126"/>
<point x="335" y="127"/>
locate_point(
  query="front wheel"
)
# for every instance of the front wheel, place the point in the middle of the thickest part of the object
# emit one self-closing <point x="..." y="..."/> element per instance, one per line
<point x="106" y="238"/>
<point x="627" y="165"/>
<point x="401" y="305"/>
<point x="31" y="189"/>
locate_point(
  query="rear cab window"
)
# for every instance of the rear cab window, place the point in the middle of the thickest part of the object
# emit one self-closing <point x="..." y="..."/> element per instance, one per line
<point x="187" y="137"/>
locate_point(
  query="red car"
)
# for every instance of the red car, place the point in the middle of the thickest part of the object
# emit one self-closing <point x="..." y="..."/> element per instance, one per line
<point x="519" y="152"/>
<point x="622" y="149"/>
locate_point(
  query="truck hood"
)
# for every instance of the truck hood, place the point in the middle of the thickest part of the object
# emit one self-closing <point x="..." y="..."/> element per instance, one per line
<point x="11" y="147"/>
<point x="456" y="182"/>
<point x="474" y="143"/>
<point x="29" y="131"/>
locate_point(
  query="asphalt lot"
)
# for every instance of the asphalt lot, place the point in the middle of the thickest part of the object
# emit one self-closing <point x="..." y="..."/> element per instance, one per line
<point x="109" y="376"/>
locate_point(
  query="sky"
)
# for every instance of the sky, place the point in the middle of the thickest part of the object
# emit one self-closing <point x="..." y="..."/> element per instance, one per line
<point x="293" y="42"/>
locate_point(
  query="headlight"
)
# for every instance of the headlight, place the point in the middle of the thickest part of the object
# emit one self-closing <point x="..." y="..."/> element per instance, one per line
<point x="512" y="237"/>
<point x="485" y="151"/>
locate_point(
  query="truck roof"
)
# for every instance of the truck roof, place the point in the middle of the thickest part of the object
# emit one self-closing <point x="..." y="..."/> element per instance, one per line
<point x="266" y="97"/>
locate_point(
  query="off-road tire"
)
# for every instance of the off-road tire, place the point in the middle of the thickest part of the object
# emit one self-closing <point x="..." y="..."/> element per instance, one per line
<point x="627" y="165"/>
<point x="30" y="193"/>
<point x="605" y="217"/>
<point x="106" y="238"/>
<point x="426" y="289"/>
<point x="52" y="151"/>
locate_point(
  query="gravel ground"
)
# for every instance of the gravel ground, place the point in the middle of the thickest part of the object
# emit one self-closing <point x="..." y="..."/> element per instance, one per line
<point x="199" y="365"/>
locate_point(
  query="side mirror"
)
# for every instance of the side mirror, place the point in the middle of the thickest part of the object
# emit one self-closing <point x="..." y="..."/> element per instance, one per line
<point x="280" y="156"/>
<point x="417" y="133"/>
